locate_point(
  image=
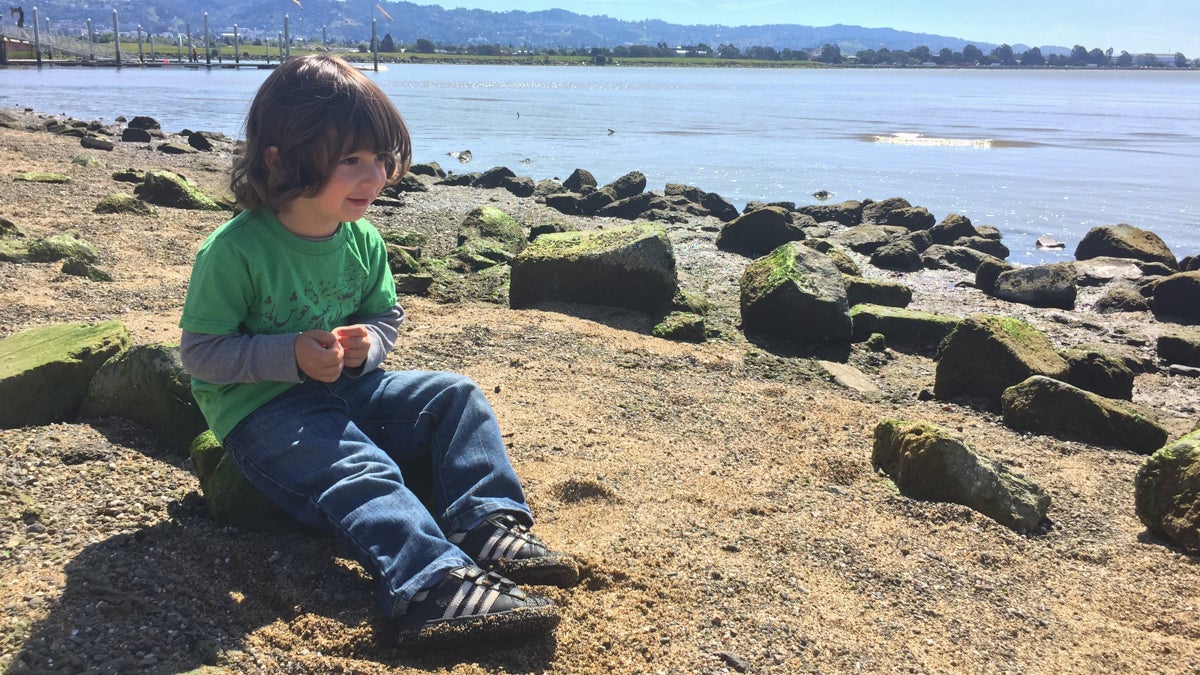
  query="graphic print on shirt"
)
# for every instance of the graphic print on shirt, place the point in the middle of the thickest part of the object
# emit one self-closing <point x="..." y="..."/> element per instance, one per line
<point x="320" y="303"/>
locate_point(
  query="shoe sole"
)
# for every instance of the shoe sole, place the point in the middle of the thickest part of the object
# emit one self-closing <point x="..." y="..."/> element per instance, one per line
<point x="559" y="571"/>
<point x="517" y="624"/>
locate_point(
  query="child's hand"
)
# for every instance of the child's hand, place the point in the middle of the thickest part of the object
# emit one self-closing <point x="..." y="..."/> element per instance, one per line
<point x="356" y="344"/>
<point x="319" y="355"/>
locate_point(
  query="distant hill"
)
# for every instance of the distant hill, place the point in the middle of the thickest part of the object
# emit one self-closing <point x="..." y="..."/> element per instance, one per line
<point x="555" y="28"/>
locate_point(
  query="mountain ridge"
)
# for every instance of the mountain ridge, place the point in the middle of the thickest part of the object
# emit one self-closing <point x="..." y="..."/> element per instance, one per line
<point x="542" y="29"/>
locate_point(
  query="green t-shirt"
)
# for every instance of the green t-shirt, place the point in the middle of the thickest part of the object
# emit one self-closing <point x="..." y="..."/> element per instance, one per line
<point x="254" y="277"/>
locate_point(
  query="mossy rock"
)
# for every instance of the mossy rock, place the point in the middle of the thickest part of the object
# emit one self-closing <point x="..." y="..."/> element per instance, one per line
<point x="166" y="188"/>
<point x="231" y="499"/>
<point x="986" y="354"/>
<point x="45" y="371"/>
<point x="924" y="330"/>
<point x="694" y="303"/>
<point x="862" y="291"/>
<point x="80" y="268"/>
<point x="681" y="327"/>
<point x="177" y="149"/>
<point x="489" y="224"/>
<point x="839" y="257"/>
<point x="1099" y="373"/>
<point x="929" y="462"/>
<point x="87" y="161"/>
<point x="631" y="266"/>
<point x="795" y="294"/>
<point x="1048" y="406"/>
<point x="9" y="230"/>
<point x="406" y="239"/>
<point x="43" y="177"/>
<point x="14" y="251"/>
<point x="61" y="247"/>
<point x="479" y="254"/>
<point x="129" y="176"/>
<point x="1167" y="492"/>
<point x="124" y="203"/>
<point x="147" y="384"/>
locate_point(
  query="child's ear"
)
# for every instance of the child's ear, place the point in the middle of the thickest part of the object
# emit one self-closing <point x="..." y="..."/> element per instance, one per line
<point x="271" y="159"/>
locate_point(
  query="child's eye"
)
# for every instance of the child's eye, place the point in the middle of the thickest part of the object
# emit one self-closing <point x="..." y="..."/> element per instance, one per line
<point x="382" y="157"/>
<point x="351" y="160"/>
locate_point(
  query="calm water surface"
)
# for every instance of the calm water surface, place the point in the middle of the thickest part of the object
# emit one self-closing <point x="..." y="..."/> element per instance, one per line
<point x="1031" y="152"/>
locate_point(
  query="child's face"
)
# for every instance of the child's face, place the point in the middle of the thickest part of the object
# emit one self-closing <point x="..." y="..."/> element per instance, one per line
<point x="354" y="184"/>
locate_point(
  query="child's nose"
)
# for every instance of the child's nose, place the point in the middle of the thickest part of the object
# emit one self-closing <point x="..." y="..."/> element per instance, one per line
<point x="374" y="172"/>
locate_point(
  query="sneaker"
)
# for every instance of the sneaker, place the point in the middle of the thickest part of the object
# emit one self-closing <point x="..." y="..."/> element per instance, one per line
<point x="471" y="604"/>
<point x="503" y="544"/>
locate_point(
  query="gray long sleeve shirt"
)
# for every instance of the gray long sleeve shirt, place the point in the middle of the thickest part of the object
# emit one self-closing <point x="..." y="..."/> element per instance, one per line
<point x="226" y="359"/>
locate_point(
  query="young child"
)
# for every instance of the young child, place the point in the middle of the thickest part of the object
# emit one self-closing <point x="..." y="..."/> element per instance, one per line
<point x="291" y="310"/>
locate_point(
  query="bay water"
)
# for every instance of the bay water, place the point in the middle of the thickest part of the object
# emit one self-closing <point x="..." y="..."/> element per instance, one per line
<point x="1032" y="152"/>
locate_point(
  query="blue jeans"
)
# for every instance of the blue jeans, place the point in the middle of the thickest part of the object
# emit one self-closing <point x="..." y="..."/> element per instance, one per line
<point x="332" y="456"/>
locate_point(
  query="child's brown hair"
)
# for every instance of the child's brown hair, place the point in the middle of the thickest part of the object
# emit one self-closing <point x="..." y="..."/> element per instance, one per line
<point x="314" y="110"/>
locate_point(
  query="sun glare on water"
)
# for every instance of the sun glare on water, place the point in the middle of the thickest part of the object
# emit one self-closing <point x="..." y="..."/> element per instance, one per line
<point x="933" y="141"/>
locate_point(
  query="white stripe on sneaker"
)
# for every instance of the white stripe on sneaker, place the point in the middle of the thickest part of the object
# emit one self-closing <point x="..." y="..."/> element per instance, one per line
<point x="511" y="545"/>
<point x="455" y="603"/>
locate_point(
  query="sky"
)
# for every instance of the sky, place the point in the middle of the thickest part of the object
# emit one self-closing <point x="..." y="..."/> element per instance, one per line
<point x="1156" y="26"/>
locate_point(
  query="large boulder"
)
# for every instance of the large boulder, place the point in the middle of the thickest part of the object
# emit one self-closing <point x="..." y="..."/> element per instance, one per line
<point x="66" y="246"/>
<point x="1047" y="406"/>
<point x="924" y="330"/>
<point x="144" y="122"/>
<point x="988" y="272"/>
<point x="488" y="236"/>
<point x="862" y="291"/>
<point x="1167" y="492"/>
<point x="795" y="294"/>
<point x="945" y="257"/>
<point x="1104" y="270"/>
<point x="231" y="499"/>
<point x="167" y="188"/>
<point x="952" y="227"/>
<point x="898" y="256"/>
<point x="579" y="179"/>
<point x="632" y="267"/>
<point x="45" y="371"/>
<point x="147" y="384"/>
<point x="866" y="239"/>
<point x="631" y="208"/>
<point x="494" y="177"/>
<point x="839" y="257"/>
<point x="1121" y="298"/>
<point x="1040" y="286"/>
<point x="134" y="135"/>
<point x="632" y="183"/>
<point x="760" y="231"/>
<point x="848" y="213"/>
<point x="1099" y="373"/>
<point x="988" y="245"/>
<point x="912" y="218"/>
<point x="878" y="213"/>
<point x="1181" y="347"/>
<point x="987" y="354"/>
<point x="1177" y="298"/>
<point x="929" y="462"/>
<point x="124" y="203"/>
<point x="1124" y="241"/>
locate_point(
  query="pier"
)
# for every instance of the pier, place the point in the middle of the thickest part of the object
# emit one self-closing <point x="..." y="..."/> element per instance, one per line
<point x="21" y="46"/>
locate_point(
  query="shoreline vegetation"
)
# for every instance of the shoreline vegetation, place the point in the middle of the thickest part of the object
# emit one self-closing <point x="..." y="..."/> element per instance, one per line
<point x="385" y="51"/>
<point x="260" y="57"/>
